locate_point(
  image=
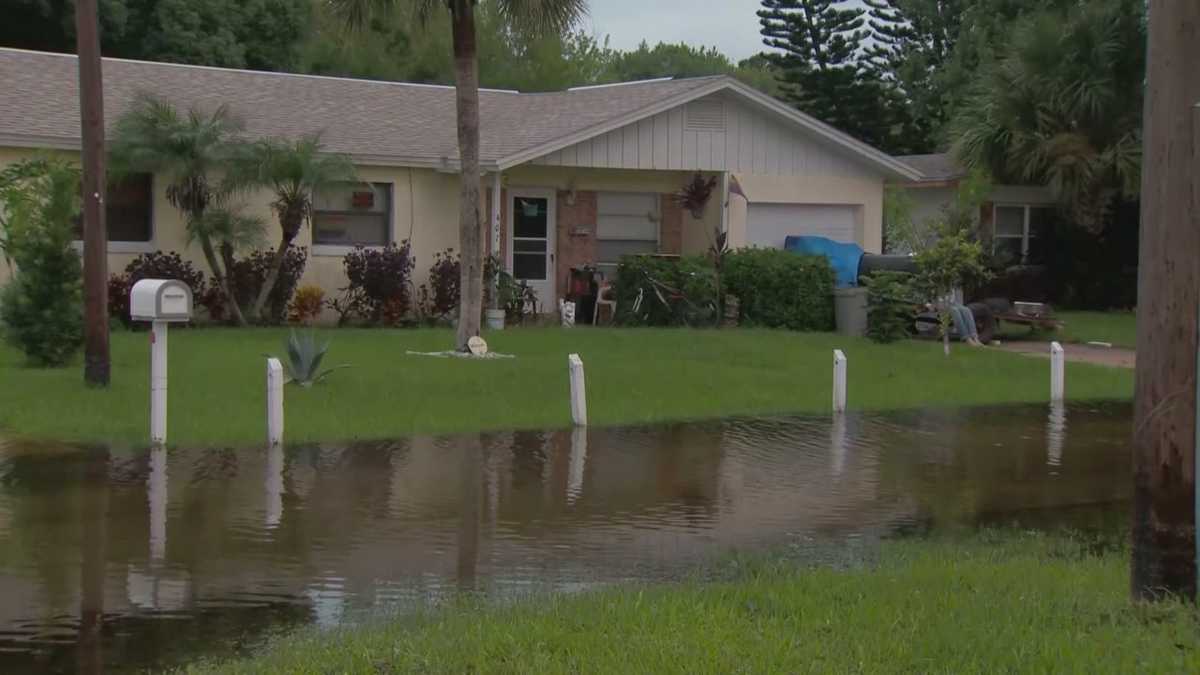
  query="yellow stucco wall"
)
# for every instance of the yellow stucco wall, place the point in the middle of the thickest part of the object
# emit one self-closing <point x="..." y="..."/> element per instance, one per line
<point x="424" y="208"/>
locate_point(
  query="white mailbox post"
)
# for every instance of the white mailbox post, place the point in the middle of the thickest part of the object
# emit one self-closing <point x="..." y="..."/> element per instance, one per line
<point x="159" y="301"/>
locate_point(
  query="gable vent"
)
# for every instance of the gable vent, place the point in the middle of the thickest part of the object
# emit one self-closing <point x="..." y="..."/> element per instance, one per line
<point x="704" y="116"/>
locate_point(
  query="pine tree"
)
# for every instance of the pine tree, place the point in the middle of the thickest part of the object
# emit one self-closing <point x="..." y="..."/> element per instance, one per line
<point x="820" y="43"/>
<point x="912" y="40"/>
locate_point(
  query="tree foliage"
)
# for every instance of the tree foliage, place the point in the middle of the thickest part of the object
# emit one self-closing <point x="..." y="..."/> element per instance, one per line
<point x="195" y="152"/>
<point x="41" y="308"/>
<point x="294" y="171"/>
<point x="1062" y="107"/>
<point x="257" y="34"/>
<point x="818" y="45"/>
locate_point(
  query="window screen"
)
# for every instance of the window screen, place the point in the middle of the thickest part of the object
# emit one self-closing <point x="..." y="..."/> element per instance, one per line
<point x="626" y="224"/>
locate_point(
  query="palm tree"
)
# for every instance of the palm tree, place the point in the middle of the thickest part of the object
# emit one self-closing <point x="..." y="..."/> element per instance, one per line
<point x="294" y="171"/>
<point x="1063" y="107"/>
<point x="152" y="137"/>
<point x="524" y="16"/>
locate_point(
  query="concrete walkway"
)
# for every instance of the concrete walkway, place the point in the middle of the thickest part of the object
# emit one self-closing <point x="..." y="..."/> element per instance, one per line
<point x="1117" y="357"/>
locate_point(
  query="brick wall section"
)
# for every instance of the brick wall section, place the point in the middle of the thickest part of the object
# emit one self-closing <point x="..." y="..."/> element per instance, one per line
<point x="670" y="232"/>
<point x="576" y="234"/>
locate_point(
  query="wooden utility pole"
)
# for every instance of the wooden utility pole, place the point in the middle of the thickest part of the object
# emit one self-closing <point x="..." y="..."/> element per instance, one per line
<point x="95" y="185"/>
<point x="1164" y="435"/>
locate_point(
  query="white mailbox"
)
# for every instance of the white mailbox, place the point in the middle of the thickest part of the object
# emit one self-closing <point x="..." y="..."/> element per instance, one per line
<point x="160" y="300"/>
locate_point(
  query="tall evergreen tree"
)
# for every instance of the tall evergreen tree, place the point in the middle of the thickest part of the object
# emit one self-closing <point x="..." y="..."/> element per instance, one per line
<point x="911" y="42"/>
<point x="820" y="43"/>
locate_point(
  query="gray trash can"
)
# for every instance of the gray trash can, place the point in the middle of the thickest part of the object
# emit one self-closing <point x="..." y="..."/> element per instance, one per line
<point x="850" y="311"/>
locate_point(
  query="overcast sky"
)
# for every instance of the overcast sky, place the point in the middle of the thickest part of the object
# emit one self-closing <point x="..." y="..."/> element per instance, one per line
<point x="729" y="25"/>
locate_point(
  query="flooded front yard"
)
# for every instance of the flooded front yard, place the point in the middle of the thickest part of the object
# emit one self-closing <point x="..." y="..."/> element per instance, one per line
<point x="126" y="558"/>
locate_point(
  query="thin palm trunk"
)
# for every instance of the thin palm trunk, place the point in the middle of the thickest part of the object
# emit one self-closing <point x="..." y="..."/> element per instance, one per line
<point x="221" y="275"/>
<point x="466" y="76"/>
<point x="264" y="293"/>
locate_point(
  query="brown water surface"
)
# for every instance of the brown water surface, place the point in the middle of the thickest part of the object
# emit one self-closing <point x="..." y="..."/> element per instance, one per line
<point x="124" y="559"/>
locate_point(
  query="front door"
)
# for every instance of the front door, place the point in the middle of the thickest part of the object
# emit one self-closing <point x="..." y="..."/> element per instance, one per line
<point x="531" y="242"/>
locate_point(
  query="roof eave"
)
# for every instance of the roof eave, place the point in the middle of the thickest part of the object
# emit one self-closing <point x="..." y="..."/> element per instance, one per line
<point x="35" y="142"/>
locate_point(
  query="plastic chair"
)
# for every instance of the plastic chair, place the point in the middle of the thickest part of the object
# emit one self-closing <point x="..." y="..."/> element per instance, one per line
<point x="605" y="288"/>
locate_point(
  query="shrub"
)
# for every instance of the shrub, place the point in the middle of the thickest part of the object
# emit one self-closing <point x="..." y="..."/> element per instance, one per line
<point x="41" y="308"/>
<point x="440" y="296"/>
<point x="306" y="304"/>
<point x="779" y="289"/>
<point x="379" y="284"/>
<point x="891" y="306"/>
<point x="250" y="273"/>
<point x="303" y="361"/>
<point x="156" y="265"/>
<point x="665" y="292"/>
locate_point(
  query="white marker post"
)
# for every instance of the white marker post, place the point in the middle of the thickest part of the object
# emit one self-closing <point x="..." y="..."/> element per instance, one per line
<point x="1058" y="373"/>
<point x="839" y="381"/>
<point x="158" y="382"/>
<point x="578" y="391"/>
<point x="274" y="402"/>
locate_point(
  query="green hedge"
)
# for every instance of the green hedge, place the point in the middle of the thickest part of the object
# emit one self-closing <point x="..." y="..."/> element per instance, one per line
<point x="780" y="289"/>
<point x="685" y="293"/>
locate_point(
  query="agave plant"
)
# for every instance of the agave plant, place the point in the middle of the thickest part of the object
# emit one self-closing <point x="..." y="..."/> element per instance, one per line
<point x="304" y="357"/>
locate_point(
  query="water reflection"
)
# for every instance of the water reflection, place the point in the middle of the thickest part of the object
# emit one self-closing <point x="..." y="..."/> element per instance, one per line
<point x="321" y="533"/>
<point x="1056" y="433"/>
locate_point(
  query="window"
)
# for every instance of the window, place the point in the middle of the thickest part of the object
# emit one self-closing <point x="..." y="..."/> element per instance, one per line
<point x="128" y="209"/>
<point x="1015" y="227"/>
<point x="626" y="224"/>
<point x="353" y="214"/>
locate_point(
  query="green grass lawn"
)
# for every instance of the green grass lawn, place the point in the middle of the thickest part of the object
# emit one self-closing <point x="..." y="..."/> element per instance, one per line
<point x="997" y="603"/>
<point x="1117" y="328"/>
<point x="633" y="375"/>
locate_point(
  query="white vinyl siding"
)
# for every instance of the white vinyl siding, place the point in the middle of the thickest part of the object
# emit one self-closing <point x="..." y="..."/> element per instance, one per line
<point x="626" y="224"/>
<point x="715" y="133"/>
<point x="769" y="225"/>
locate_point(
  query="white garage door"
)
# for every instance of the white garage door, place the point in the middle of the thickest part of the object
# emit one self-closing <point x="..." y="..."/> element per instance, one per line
<point x="767" y="225"/>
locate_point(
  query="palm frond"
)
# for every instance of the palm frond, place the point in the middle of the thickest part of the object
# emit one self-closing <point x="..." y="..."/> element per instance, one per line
<point x="540" y="17"/>
<point x="227" y="225"/>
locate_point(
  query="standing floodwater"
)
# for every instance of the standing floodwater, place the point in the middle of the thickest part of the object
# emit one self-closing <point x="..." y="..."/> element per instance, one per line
<point x="139" y="558"/>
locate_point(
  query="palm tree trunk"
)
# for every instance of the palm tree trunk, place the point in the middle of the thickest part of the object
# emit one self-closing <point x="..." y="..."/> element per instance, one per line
<point x="214" y="264"/>
<point x="272" y="278"/>
<point x="466" y="80"/>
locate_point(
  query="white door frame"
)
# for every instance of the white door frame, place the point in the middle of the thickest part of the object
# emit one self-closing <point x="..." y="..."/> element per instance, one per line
<point x="547" y="290"/>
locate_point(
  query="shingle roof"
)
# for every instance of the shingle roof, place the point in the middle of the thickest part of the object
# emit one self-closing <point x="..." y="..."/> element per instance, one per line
<point x="388" y="121"/>
<point x="935" y="167"/>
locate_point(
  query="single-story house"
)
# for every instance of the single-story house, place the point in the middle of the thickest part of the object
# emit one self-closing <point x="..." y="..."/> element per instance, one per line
<point x="1009" y="219"/>
<point x="571" y="178"/>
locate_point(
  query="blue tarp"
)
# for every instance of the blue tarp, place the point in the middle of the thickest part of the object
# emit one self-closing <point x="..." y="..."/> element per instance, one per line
<point x="843" y="257"/>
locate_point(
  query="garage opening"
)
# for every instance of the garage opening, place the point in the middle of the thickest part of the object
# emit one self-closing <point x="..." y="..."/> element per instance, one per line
<point x="768" y="225"/>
